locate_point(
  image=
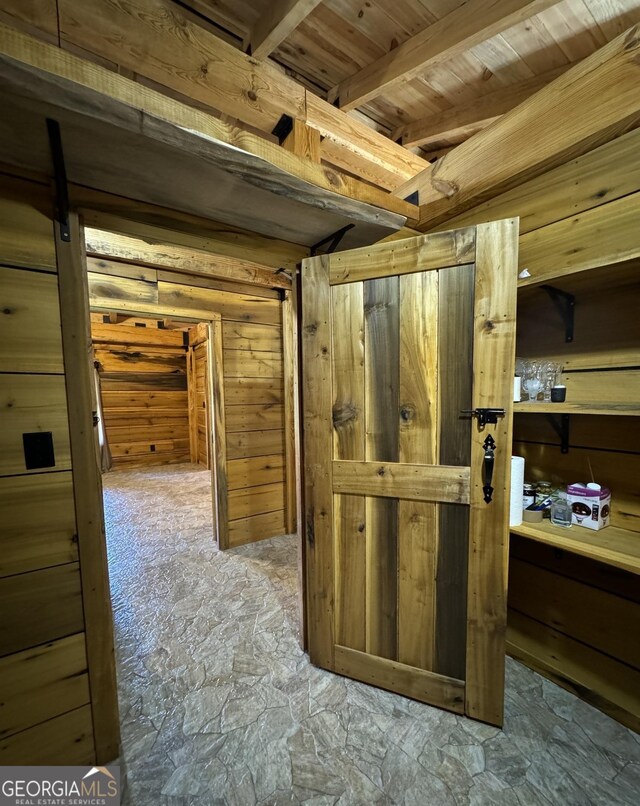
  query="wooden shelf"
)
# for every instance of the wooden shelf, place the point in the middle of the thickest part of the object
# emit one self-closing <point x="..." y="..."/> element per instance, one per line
<point x="613" y="545"/>
<point x="543" y="407"/>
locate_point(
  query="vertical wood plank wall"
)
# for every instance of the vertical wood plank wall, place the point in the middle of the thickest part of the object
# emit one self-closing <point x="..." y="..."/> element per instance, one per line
<point x="200" y="414"/>
<point x="571" y="617"/>
<point x="45" y="707"/>
<point x="253" y="368"/>
<point x="143" y="378"/>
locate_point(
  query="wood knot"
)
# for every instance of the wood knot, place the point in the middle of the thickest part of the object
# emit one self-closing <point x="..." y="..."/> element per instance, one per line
<point x="407" y="413"/>
<point x="310" y="528"/>
<point x="311" y="329"/>
<point x="489" y="325"/>
<point x="324" y="350"/>
<point x="344" y="413"/>
<point x="252" y="95"/>
<point x="7" y="311"/>
<point x="361" y="527"/>
<point x="204" y="69"/>
<point x="382" y="471"/>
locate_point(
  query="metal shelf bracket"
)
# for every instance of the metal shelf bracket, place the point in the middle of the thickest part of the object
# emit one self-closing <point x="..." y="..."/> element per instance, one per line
<point x="561" y="426"/>
<point x="566" y="305"/>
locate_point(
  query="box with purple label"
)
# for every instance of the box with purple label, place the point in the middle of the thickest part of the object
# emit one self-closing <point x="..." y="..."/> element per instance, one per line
<point x="590" y="505"/>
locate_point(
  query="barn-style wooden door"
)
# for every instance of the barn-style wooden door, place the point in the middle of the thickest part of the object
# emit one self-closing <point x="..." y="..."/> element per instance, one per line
<point x="405" y="560"/>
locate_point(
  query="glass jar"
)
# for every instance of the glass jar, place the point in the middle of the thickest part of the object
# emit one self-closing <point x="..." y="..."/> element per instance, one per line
<point x="543" y="490"/>
<point x="561" y="513"/>
<point x="528" y="494"/>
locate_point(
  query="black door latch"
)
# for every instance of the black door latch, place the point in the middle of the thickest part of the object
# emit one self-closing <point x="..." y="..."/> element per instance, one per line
<point x="485" y="415"/>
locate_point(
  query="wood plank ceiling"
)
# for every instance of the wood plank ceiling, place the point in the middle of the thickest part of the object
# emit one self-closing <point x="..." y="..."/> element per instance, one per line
<point x="478" y="67"/>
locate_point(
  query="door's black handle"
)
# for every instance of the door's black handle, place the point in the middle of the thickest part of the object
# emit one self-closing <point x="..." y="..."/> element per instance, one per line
<point x="488" y="464"/>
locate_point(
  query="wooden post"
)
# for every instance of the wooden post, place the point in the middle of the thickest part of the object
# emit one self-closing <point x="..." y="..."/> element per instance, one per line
<point x="318" y="446"/>
<point x="193" y="412"/>
<point x="87" y="486"/>
<point x="290" y="367"/>
<point x="493" y="368"/>
<point x="303" y="141"/>
<point x="217" y="431"/>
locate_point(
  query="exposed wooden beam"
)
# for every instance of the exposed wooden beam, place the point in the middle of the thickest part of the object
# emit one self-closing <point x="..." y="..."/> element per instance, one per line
<point x="278" y="20"/>
<point x="160" y="225"/>
<point x="376" y="157"/>
<point x="594" y="102"/>
<point x="468" y="25"/>
<point x="180" y="259"/>
<point x="157" y="40"/>
<point x="303" y="141"/>
<point x="56" y="64"/>
<point x="458" y="124"/>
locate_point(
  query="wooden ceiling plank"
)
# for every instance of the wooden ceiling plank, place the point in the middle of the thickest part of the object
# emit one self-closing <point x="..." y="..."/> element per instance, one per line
<point x="472" y="116"/>
<point x="468" y="25"/>
<point x="278" y="20"/>
<point x="592" y="103"/>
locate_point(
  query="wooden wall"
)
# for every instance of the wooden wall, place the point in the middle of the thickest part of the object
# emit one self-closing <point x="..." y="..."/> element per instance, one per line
<point x="143" y="378"/>
<point x="571" y="617"/>
<point x="253" y="370"/>
<point x="45" y="705"/>
<point x="199" y="404"/>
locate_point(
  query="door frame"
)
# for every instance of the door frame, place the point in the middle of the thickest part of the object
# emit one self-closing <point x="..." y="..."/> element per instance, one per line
<point x="87" y="488"/>
<point x="87" y="475"/>
<point x="486" y="245"/>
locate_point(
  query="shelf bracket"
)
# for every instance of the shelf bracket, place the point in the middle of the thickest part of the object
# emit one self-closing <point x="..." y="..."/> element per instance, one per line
<point x="566" y="305"/>
<point x="561" y="427"/>
<point x="332" y="240"/>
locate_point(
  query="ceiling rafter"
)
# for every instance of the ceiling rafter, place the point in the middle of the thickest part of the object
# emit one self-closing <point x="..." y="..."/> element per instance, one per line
<point x="592" y="103"/>
<point x="458" y="124"/>
<point x="468" y="25"/>
<point x="278" y="20"/>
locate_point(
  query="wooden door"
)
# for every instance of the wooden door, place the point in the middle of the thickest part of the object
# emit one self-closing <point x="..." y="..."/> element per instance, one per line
<point x="405" y="562"/>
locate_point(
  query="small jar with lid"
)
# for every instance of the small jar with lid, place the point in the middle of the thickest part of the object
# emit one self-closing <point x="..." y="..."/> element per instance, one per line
<point x="543" y="490"/>
<point x="528" y="494"/>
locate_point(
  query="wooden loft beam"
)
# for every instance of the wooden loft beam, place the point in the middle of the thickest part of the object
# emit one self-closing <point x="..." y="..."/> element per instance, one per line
<point x="56" y="64"/>
<point x="180" y="259"/>
<point x="468" y="25"/>
<point x="594" y="102"/>
<point x="157" y="40"/>
<point x="160" y="225"/>
<point x="458" y="124"/>
<point x="279" y="19"/>
<point x="372" y="155"/>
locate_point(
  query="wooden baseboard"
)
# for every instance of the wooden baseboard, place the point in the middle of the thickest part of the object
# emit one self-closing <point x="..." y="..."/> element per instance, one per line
<point x="567" y="681"/>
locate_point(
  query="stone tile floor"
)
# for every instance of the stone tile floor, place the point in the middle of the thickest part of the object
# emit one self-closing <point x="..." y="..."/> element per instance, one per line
<point x="220" y="706"/>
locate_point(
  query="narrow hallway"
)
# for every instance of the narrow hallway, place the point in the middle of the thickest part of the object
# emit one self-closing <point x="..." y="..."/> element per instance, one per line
<point x="219" y="705"/>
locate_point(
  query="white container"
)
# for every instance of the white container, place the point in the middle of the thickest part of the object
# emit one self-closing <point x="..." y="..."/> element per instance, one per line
<point x="517" y="389"/>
